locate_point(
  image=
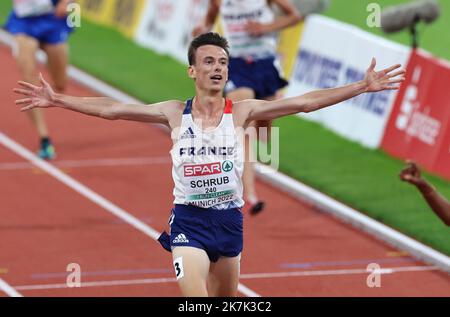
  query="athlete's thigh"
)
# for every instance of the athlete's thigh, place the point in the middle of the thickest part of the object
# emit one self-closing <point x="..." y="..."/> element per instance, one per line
<point x="57" y="63"/>
<point x="25" y="52"/>
<point x="191" y="269"/>
<point x="223" y="276"/>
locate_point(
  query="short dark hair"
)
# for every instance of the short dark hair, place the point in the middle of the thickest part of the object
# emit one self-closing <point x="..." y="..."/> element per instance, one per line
<point x="209" y="38"/>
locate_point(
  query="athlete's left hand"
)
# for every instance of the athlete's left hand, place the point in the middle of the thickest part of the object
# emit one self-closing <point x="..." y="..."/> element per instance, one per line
<point x="385" y="79"/>
<point x="256" y="28"/>
<point x="35" y="96"/>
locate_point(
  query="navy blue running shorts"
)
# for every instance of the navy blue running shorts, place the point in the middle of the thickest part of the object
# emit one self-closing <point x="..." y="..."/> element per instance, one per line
<point x="218" y="232"/>
<point x="47" y="29"/>
<point x="262" y="76"/>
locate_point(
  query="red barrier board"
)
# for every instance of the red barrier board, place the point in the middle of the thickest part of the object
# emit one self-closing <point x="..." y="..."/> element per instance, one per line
<point x="442" y="164"/>
<point x="419" y="125"/>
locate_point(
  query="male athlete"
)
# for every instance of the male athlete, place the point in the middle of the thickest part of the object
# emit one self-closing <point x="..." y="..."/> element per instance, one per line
<point x="41" y="24"/>
<point x="206" y="223"/>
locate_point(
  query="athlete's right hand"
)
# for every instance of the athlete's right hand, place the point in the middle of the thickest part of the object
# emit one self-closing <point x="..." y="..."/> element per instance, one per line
<point x="36" y="97"/>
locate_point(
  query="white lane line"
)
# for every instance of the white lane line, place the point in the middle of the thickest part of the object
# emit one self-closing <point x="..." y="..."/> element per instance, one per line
<point x="339" y="272"/>
<point x="99" y="284"/>
<point x="129" y="161"/>
<point x="8" y="289"/>
<point x="77" y="186"/>
<point x="247" y="291"/>
<point x="242" y="288"/>
<point x="89" y="194"/>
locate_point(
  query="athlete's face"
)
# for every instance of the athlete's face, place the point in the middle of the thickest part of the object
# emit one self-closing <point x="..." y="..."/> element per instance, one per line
<point x="210" y="70"/>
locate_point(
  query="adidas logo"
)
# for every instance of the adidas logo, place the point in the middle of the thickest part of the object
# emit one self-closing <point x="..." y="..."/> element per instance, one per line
<point x="181" y="238"/>
<point x="189" y="134"/>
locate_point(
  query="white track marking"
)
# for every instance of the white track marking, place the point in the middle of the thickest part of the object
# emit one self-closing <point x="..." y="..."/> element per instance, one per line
<point x="88" y="193"/>
<point x="129" y="161"/>
<point x="245" y="290"/>
<point x="100" y="284"/>
<point x="8" y="289"/>
<point x="242" y="288"/>
<point x="339" y="272"/>
<point x="78" y="187"/>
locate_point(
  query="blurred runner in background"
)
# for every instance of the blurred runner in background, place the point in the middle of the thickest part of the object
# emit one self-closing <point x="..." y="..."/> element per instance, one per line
<point x="250" y="27"/>
<point x="41" y="24"/>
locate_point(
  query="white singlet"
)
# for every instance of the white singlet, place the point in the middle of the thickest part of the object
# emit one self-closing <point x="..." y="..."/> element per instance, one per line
<point x="234" y="15"/>
<point x="29" y="8"/>
<point x="208" y="165"/>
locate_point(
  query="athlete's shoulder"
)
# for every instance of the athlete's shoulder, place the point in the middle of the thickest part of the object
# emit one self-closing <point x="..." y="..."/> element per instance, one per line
<point x="170" y="104"/>
<point x="171" y="108"/>
<point x="242" y="110"/>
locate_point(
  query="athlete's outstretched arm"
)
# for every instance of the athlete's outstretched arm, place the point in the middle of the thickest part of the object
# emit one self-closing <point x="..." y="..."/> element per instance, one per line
<point x="103" y="107"/>
<point x="387" y="79"/>
<point x="441" y="206"/>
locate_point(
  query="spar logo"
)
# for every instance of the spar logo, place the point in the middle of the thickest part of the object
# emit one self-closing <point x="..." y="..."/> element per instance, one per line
<point x="414" y="122"/>
<point x="202" y="169"/>
<point x="227" y="166"/>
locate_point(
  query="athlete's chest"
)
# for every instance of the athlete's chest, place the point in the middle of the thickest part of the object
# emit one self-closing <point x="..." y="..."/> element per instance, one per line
<point x="207" y="123"/>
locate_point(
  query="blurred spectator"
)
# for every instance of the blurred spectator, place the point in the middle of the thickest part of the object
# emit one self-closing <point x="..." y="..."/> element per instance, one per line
<point x="441" y="206"/>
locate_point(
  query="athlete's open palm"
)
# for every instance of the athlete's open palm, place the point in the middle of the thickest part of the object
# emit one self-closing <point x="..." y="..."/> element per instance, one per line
<point x="36" y="97"/>
<point x="385" y="79"/>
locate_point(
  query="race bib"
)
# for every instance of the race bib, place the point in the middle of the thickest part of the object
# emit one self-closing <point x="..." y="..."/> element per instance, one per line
<point x="29" y="8"/>
<point x="210" y="184"/>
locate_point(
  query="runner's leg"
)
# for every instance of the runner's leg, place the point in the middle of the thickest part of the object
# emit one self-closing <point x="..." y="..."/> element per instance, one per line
<point x="25" y="55"/>
<point x="191" y="268"/>
<point x="223" y="277"/>
<point x="57" y="64"/>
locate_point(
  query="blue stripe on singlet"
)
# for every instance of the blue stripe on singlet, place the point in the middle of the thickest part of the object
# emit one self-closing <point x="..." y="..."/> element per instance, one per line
<point x="188" y="108"/>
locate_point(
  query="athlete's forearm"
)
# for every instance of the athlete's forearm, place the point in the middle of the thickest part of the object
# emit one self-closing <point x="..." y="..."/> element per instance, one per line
<point x="102" y="107"/>
<point x="283" y="22"/>
<point x="319" y="99"/>
<point x="436" y="201"/>
<point x="108" y="108"/>
<point x="308" y="102"/>
<point x="211" y="15"/>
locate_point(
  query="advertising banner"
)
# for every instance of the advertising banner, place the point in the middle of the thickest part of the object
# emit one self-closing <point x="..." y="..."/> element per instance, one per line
<point x="333" y="53"/>
<point x="123" y="15"/>
<point x="166" y="25"/>
<point x="419" y="127"/>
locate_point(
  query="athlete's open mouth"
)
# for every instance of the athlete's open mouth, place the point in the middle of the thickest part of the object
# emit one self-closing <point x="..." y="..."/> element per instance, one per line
<point x="216" y="77"/>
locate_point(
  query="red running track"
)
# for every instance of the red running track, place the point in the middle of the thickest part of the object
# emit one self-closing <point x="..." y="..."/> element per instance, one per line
<point x="289" y="250"/>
